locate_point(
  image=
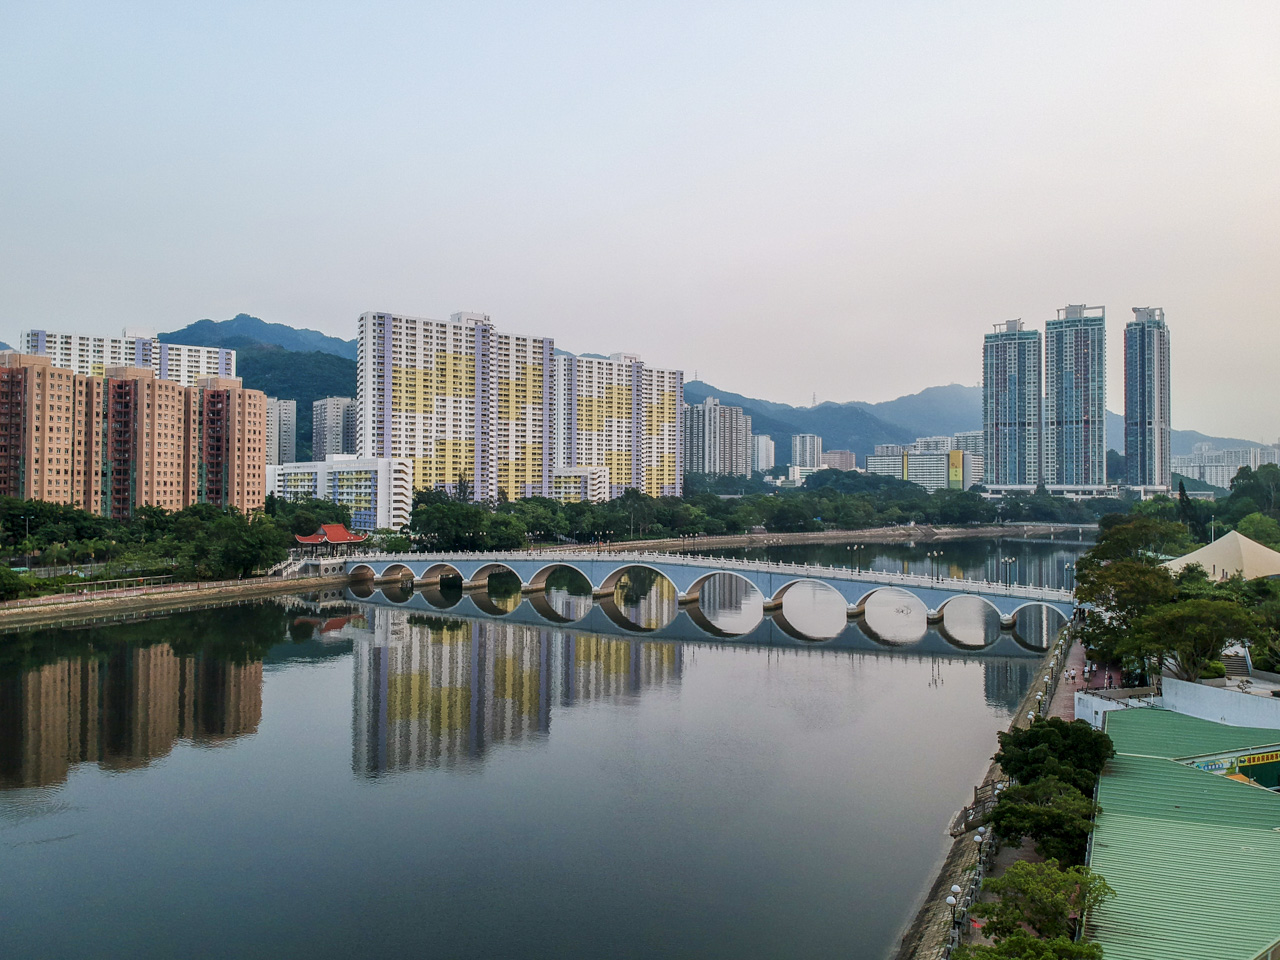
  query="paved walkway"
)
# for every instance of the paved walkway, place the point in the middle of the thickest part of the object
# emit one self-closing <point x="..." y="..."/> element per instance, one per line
<point x="1064" y="698"/>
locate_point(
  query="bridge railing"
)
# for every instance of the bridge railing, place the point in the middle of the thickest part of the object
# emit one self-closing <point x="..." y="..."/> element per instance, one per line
<point x="820" y="571"/>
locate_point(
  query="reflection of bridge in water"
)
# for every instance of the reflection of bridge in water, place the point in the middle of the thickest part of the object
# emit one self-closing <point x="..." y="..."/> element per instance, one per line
<point x="689" y="573"/>
<point x="700" y="589"/>
<point x="443" y="690"/>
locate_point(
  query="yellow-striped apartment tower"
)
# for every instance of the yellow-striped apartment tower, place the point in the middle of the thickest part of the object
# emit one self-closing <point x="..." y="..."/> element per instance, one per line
<point x="463" y="402"/>
<point x="615" y="413"/>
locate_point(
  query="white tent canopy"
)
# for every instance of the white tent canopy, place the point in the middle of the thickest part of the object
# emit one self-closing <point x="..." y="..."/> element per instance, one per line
<point x="1230" y="554"/>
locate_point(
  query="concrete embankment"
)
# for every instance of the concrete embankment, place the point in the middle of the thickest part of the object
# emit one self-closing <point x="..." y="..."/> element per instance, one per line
<point x="91" y="608"/>
<point x="900" y="534"/>
<point x="929" y="931"/>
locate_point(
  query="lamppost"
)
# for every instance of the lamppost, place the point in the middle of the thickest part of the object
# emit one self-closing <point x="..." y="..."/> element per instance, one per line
<point x="1069" y="566"/>
<point x="27" y="542"/>
<point x="1006" y="563"/>
<point x="934" y="556"/>
<point x="857" y="555"/>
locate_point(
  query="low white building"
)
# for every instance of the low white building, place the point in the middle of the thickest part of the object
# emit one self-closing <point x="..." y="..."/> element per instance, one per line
<point x="580" y="484"/>
<point x="946" y="469"/>
<point x="379" y="491"/>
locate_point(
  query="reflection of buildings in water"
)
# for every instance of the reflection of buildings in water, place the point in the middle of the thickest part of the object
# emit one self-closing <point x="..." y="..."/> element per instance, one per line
<point x="1046" y="568"/>
<point x="121" y="712"/>
<point x="599" y="668"/>
<point x="723" y="594"/>
<point x="431" y="690"/>
<point x="649" y="599"/>
<point x="574" y="606"/>
<point x="1038" y="625"/>
<point x="435" y="691"/>
<point x="1005" y="681"/>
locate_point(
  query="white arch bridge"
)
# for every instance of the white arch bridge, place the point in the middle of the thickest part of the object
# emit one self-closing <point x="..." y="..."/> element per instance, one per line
<point x="689" y="574"/>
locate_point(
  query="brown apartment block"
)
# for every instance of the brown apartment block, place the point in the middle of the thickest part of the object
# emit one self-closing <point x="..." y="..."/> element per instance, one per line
<point x="233" y="430"/>
<point x="50" y="432"/>
<point x="113" y="443"/>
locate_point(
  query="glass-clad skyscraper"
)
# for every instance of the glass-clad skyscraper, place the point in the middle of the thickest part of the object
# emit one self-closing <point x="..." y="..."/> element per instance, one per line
<point x="1075" y="405"/>
<point x="1011" y="390"/>
<point x="1146" y="399"/>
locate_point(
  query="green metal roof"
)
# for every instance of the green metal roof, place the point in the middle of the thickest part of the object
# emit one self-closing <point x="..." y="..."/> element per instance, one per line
<point x="1193" y="856"/>
<point x="1162" y="733"/>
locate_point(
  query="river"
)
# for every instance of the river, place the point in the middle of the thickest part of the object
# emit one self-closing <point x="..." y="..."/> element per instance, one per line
<point x="335" y="777"/>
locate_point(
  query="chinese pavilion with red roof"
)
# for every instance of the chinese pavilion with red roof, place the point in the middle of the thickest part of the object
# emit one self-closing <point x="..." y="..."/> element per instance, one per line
<point x="332" y="535"/>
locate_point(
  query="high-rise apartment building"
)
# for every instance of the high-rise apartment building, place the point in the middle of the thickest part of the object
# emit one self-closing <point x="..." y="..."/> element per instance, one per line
<point x="232" y="444"/>
<point x="1147" y="426"/>
<point x="334" y="426"/>
<point x="499" y="414"/>
<point x="839" y="460"/>
<point x="1012" y="386"/>
<point x="970" y="441"/>
<point x="717" y="439"/>
<point x="281" y="431"/>
<point x="50" y="432"/>
<point x="619" y="414"/>
<point x="763" y="454"/>
<point x="109" y="444"/>
<point x="91" y="356"/>
<point x="1219" y="467"/>
<point x="468" y="405"/>
<point x="150" y="430"/>
<point x="806" y="450"/>
<point x="1075" y="404"/>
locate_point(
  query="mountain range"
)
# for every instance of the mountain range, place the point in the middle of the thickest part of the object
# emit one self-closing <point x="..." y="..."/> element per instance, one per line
<point x="306" y="365"/>
<point x="217" y="333"/>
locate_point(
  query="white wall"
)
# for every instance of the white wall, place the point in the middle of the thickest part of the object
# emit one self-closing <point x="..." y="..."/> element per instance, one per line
<point x="1221" y="705"/>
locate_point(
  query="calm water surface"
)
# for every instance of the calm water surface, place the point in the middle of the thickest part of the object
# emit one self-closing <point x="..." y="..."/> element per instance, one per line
<point x="334" y="778"/>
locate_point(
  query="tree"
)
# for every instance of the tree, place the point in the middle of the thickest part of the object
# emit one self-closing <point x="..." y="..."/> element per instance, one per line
<point x="1142" y="538"/>
<point x="1262" y="528"/>
<point x="1053" y="814"/>
<point x="1023" y="946"/>
<point x="1048" y="900"/>
<point x="1119" y="592"/>
<point x="1073" y="752"/>
<point x="1186" y="636"/>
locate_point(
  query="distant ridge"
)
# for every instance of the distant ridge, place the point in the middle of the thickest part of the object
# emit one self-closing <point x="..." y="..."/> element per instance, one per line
<point x="934" y="411"/>
<point x="242" y="327"/>
<point x="842" y="426"/>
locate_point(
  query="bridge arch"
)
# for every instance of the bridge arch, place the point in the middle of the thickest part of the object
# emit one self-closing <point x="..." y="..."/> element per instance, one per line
<point x="777" y="604"/>
<point x="435" y="571"/>
<point x="396" y="571"/>
<point x="911" y="630"/>
<point x="540" y="578"/>
<point x="947" y="633"/>
<point x="361" y="571"/>
<point x="700" y="615"/>
<point x="610" y="581"/>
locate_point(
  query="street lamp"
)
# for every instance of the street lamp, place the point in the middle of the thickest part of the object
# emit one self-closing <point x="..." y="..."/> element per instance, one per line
<point x="951" y="902"/>
<point x="1068" y="566"/>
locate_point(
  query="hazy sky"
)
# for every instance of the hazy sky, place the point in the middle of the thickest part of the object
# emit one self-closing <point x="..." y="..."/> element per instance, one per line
<point x="786" y="197"/>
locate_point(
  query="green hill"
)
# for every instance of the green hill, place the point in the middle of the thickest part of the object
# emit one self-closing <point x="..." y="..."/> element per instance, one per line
<point x="842" y="426"/>
<point x="290" y="375"/>
<point x="219" y="333"/>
